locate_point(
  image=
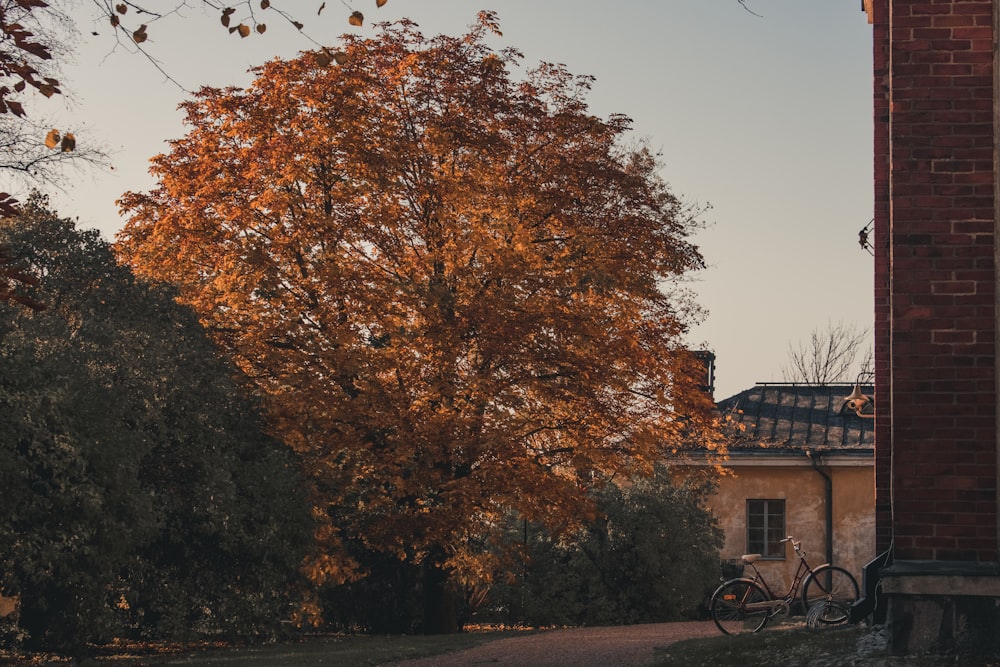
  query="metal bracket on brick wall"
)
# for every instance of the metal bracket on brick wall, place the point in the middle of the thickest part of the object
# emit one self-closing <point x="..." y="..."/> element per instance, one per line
<point x="864" y="238"/>
<point x="858" y="402"/>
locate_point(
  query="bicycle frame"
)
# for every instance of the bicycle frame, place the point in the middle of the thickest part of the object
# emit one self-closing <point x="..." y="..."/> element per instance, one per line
<point x="801" y="572"/>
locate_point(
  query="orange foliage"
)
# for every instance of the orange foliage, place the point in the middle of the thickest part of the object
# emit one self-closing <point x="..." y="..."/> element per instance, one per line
<point x="456" y="289"/>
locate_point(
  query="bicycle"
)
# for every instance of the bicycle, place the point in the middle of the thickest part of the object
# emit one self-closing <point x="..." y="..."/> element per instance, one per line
<point x="746" y="604"/>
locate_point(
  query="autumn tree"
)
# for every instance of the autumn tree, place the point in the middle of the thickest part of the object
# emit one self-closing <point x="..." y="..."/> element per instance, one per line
<point x="830" y="355"/>
<point x="459" y="290"/>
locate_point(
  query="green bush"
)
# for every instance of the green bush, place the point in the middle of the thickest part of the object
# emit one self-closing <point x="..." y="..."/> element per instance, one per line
<point x="143" y="497"/>
<point x="651" y="556"/>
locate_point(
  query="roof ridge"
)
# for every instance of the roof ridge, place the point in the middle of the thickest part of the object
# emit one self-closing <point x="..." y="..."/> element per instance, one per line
<point x="798" y="414"/>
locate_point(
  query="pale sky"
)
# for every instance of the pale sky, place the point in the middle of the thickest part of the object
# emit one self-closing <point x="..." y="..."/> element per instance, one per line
<point x="767" y="119"/>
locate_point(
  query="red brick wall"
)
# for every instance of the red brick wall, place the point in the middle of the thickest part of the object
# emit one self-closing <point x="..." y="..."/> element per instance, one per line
<point x="934" y="279"/>
<point x="879" y="18"/>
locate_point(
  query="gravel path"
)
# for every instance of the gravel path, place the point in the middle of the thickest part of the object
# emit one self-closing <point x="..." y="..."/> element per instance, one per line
<point x="621" y="646"/>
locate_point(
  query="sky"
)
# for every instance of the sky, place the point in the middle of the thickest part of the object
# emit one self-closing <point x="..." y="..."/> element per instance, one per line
<point x="765" y="117"/>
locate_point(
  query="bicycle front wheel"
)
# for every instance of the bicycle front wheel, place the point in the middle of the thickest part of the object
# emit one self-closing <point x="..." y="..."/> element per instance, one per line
<point x="739" y="606"/>
<point x="828" y="593"/>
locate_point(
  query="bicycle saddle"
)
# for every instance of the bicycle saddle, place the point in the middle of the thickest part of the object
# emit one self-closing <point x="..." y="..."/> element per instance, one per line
<point x="750" y="558"/>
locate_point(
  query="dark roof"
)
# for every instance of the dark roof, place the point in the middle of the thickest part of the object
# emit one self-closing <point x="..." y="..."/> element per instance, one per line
<point x="797" y="416"/>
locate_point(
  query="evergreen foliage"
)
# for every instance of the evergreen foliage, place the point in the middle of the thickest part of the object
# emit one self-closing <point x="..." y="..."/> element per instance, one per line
<point x="143" y="498"/>
<point x="652" y="556"/>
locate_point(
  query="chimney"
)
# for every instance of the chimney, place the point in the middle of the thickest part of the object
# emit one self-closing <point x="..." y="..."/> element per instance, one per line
<point x="708" y="359"/>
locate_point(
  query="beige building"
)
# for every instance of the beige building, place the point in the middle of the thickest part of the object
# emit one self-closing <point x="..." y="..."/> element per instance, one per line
<point x="798" y="465"/>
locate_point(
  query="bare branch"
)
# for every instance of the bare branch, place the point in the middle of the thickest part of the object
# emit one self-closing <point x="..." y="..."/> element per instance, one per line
<point x="29" y="162"/>
<point x="131" y="20"/>
<point x="743" y="3"/>
<point x="829" y="355"/>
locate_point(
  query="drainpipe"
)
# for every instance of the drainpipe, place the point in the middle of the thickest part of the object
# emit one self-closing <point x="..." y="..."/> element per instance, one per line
<point x="828" y="504"/>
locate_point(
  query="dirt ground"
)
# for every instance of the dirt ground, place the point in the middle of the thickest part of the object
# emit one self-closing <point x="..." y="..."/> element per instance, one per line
<point x="622" y="646"/>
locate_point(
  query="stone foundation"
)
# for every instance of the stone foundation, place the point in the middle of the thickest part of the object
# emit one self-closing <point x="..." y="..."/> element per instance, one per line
<point x="943" y="608"/>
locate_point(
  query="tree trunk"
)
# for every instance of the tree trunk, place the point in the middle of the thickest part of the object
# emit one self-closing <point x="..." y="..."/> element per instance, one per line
<point x="440" y="598"/>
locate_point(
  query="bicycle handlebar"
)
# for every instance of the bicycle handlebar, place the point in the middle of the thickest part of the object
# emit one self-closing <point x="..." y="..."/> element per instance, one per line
<point x="795" y="544"/>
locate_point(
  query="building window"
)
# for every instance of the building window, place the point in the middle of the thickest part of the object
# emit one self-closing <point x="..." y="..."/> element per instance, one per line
<point x="766" y="528"/>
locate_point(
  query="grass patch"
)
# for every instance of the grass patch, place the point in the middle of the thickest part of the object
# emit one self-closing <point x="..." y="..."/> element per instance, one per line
<point x="790" y="646"/>
<point x="774" y="646"/>
<point x="798" y="646"/>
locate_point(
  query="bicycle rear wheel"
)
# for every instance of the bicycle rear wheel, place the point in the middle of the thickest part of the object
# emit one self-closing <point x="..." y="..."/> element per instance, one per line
<point x="739" y="606"/>
<point x="828" y="593"/>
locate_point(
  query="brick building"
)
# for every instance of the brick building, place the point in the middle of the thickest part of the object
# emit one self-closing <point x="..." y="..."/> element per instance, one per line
<point x="936" y="216"/>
